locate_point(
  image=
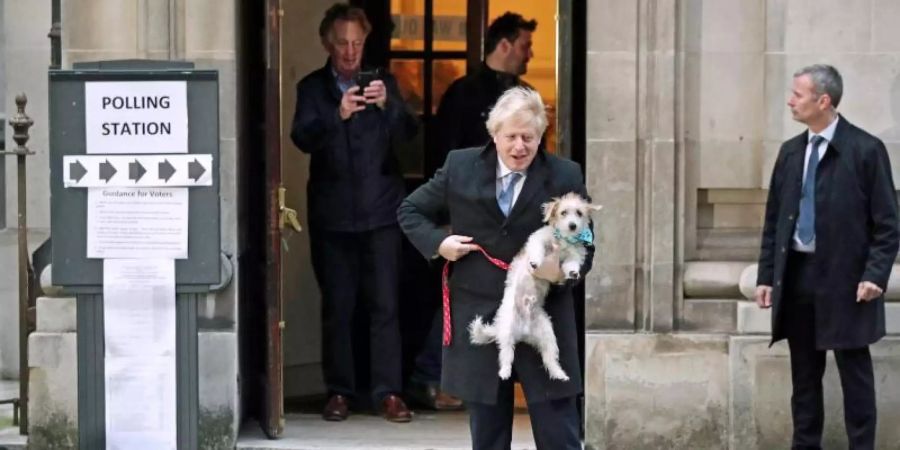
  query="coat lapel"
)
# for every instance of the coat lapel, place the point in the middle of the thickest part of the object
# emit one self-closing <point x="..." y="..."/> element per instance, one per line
<point x="487" y="182"/>
<point x="330" y="83"/>
<point x="534" y="182"/>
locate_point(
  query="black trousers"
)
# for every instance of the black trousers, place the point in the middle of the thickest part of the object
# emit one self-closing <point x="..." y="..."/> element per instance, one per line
<point x="350" y="266"/>
<point x="554" y="423"/>
<point x="808" y="367"/>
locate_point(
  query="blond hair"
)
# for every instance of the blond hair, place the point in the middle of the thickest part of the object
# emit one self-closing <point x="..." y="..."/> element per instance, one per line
<point x="520" y="105"/>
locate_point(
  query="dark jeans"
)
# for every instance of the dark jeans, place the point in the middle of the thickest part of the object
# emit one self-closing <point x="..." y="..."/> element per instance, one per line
<point x="554" y="423"/>
<point x="349" y="266"/>
<point x="808" y="367"/>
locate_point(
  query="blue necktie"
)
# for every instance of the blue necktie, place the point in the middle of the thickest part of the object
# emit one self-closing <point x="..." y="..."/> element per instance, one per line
<point x="806" y="223"/>
<point x="505" y="198"/>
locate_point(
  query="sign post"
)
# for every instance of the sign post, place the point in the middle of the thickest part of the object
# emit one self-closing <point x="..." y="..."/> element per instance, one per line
<point x="135" y="225"/>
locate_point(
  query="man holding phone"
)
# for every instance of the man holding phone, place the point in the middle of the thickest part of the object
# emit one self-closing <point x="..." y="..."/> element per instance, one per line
<point x="346" y="120"/>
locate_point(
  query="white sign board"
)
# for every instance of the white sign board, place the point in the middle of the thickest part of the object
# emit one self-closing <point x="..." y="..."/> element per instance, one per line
<point x="137" y="223"/>
<point x="139" y="357"/>
<point x="123" y="117"/>
<point x="137" y="170"/>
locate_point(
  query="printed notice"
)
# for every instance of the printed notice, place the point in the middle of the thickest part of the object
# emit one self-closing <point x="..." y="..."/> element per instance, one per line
<point x="127" y="117"/>
<point x="139" y="321"/>
<point x="137" y="223"/>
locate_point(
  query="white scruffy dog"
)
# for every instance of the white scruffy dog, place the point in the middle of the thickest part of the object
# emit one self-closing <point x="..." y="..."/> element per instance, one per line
<point x="521" y="316"/>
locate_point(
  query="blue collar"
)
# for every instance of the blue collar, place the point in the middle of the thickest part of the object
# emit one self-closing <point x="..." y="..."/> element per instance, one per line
<point x="586" y="237"/>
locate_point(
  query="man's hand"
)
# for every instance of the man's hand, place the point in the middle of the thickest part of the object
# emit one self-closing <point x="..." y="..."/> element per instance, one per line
<point x="351" y="103"/>
<point x="376" y="93"/>
<point x="867" y="291"/>
<point x="455" y="246"/>
<point x="764" y="296"/>
<point x="549" y="269"/>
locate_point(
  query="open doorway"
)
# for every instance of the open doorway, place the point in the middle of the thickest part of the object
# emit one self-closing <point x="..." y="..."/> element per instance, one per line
<point x="426" y="44"/>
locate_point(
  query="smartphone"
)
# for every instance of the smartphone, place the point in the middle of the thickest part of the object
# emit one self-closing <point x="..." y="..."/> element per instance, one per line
<point x="364" y="77"/>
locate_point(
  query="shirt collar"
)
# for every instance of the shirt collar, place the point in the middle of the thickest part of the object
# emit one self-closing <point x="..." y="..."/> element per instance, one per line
<point x="828" y="132"/>
<point x="502" y="170"/>
<point x="343" y="85"/>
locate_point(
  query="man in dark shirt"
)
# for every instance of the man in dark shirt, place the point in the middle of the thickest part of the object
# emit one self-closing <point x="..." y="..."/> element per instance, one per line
<point x="460" y="123"/>
<point x="467" y="102"/>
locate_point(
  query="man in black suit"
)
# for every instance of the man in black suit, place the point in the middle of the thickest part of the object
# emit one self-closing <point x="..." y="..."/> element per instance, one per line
<point x="828" y="245"/>
<point x="492" y="196"/>
<point x="354" y="189"/>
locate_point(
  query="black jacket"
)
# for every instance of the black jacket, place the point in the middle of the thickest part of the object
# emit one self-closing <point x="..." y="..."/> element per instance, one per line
<point x="355" y="182"/>
<point x="464" y="110"/>
<point x="856" y="234"/>
<point x="465" y="191"/>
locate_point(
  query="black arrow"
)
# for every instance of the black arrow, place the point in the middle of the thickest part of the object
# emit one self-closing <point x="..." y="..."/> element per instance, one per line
<point x="107" y="171"/>
<point x="136" y="171"/>
<point x="195" y="170"/>
<point x="166" y="170"/>
<point x="76" y="171"/>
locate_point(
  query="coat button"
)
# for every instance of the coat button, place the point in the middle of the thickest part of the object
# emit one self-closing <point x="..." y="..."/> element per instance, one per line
<point x="503" y="232"/>
<point x="783" y="250"/>
<point x="791" y="217"/>
<point x="778" y="283"/>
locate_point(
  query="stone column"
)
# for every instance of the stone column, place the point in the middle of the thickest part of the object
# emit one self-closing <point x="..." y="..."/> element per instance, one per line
<point x="633" y="164"/>
<point x="27" y="56"/>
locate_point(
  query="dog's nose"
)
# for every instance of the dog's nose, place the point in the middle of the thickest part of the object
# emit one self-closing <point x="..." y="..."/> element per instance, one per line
<point x="572" y="226"/>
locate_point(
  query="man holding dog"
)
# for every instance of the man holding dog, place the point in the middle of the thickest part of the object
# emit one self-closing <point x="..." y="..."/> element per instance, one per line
<point x="828" y="245"/>
<point x="492" y="196"/>
<point x="354" y="189"/>
<point x="460" y="124"/>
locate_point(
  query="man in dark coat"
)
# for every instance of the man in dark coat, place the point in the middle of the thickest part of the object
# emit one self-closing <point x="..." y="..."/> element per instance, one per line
<point x="459" y="124"/>
<point x="465" y="105"/>
<point x="354" y="189"/>
<point x="828" y="245"/>
<point x="468" y="190"/>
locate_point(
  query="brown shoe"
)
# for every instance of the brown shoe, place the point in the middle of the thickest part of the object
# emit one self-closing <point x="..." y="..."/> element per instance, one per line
<point x="446" y="402"/>
<point x="394" y="410"/>
<point x="336" y="409"/>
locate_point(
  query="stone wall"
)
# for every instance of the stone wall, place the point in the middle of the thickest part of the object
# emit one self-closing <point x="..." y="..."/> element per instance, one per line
<point x="686" y="112"/>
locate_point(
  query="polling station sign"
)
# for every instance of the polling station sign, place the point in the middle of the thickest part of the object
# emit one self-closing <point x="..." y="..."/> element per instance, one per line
<point x="131" y="117"/>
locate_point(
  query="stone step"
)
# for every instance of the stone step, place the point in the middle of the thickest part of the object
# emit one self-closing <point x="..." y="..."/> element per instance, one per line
<point x="428" y="430"/>
<point x="10" y="439"/>
<point x="753" y="320"/>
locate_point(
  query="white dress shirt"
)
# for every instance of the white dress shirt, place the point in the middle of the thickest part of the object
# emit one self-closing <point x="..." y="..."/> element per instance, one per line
<point x="828" y="134"/>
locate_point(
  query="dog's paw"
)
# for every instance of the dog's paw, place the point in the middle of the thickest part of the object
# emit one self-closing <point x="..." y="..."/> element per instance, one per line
<point x="558" y="374"/>
<point x="506" y="372"/>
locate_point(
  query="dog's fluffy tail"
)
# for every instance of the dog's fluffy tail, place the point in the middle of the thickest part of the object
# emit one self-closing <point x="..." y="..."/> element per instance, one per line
<point x="480" y="332"/>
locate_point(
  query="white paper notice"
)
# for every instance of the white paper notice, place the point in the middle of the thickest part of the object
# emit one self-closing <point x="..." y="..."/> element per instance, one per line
<point x="139" y="321"/>
<point x="137" y="223"/>
<point x="123" y="117"/>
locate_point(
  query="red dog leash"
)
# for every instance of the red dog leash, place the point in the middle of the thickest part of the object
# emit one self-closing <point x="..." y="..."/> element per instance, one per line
<point x="448" y="326"/>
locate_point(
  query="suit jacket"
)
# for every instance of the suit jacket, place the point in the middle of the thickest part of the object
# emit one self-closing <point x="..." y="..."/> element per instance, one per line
<point x="856" y="234"/>
<point x="355" y="182"/>
<point x="465" y="191"/>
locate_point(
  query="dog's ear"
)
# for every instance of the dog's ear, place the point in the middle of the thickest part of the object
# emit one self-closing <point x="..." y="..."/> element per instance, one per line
<point x="549" y="209"/>
<point x="595" y="207"/>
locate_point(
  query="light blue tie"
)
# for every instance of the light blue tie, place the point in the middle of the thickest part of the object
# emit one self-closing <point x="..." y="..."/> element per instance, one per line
<point x="505" y="198"/>
<point x="806" y="223"/>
